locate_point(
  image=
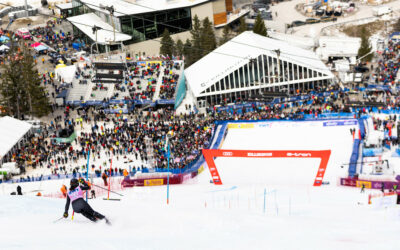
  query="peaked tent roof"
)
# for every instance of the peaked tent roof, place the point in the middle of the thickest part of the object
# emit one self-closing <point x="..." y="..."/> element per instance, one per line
<point x="11" y="131"/>
<point x="135" y="7"/>
<point x="85" y="23"/>
<point x="238" y="51"/>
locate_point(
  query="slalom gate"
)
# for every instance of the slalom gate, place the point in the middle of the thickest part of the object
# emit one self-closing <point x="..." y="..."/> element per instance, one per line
<point x="210" y="154"/>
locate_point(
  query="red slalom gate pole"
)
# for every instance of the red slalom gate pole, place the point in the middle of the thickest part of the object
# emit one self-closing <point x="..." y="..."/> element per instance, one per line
<point x="109" y="181"/>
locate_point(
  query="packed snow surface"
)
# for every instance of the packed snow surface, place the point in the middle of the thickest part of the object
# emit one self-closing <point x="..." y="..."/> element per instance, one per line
<point x="231" y="216"/>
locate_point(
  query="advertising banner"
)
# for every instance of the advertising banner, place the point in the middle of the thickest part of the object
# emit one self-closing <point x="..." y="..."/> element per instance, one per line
<point x="367" y="184"/>
<point x="154" y="182"/>
<point x="241" y="125"/>
<point x="340" y="123"/>
<point x="348" y="182"/>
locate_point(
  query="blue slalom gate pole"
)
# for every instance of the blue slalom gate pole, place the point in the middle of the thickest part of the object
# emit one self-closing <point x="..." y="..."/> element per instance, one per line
<point x="87" y="170"/>
<point x="265" y="194"/>
<point x="168" y="153"/>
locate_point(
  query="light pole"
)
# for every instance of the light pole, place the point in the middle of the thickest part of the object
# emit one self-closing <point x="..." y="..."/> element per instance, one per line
<point x="95" y="29"/>
<point x="111" y="10"/>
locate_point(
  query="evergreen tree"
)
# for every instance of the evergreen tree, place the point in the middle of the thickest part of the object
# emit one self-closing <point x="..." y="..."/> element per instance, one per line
<point x="196" y="53"/>
<point x="242" y="26"/>
<point x="21" y="93"/>
<point x="365" y="47"/>
<point x="259" y="26"/>
<point x="187" y="50"/>
<point x="207" y="37"/>
<point x="38" y="101"/>
<point x="226" y="36"/>
<point x="179" y="48"/>
<point x="10" y="86"/>
<point x="167" y="44"/>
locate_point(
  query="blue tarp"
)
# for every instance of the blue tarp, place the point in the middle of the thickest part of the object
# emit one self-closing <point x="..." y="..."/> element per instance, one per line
<point x="63" y="94"/>
<point x="77" y="46"/>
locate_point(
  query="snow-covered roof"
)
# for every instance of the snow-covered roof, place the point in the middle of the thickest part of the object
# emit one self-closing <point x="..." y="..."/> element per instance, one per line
<point x="299" y="41"/>
<point x="134" y="7"/>
<point x="11" y="131"/>
<point x="238" y="51"/>
<point x="85" y="23"/>
<point x="338" y="46"/>
<point x="64" y="6"/>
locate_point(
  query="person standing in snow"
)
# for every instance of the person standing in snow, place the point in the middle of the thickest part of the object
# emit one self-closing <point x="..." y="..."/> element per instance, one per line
<point x="75" y="195"/>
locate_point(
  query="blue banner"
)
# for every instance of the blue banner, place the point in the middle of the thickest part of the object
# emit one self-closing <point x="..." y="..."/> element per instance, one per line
<point x="165" y="102"/>
<point x="181" y="92"/>
<point x="370" y="152"/>
<point x="340" y="123"/>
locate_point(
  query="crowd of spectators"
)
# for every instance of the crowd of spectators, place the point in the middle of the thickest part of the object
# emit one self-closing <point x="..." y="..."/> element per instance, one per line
<point x="137" y="140"/>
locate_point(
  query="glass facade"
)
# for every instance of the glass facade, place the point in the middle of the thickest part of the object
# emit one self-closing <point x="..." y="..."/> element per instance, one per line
<point x="145" y="26"/>
<point x="151" y="25"/>
<point x="78" y="8"/>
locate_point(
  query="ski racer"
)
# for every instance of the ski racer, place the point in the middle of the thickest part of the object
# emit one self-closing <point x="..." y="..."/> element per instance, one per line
<point x="79" y="205"/>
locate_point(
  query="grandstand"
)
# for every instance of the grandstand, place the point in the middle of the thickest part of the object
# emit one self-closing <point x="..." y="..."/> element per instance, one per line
<point x="143" y="80"/>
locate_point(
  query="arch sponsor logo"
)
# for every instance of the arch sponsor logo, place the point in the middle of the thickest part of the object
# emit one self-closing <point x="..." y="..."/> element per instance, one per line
<point x="298" y="154"/>
<point x="227" y="153"/>
<point x="250" y="154"/>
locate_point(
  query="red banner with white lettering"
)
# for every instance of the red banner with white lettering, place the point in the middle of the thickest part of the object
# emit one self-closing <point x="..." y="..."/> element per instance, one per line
<point x="210" y="154"/>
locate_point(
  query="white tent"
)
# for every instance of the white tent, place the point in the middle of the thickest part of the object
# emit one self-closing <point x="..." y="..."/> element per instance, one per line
<point x="11" y="131"/>
<point x="66" y="73"/>
<point x="4" y="47"/>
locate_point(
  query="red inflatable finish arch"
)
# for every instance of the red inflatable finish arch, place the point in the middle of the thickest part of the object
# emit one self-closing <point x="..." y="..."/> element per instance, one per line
<point x="210" y="154"/>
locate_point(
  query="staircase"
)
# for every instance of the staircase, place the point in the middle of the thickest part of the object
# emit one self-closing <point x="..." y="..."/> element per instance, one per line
<point x="158" y="86"/>
<point x="150" y="152"/>
<point x="79" y="90"/>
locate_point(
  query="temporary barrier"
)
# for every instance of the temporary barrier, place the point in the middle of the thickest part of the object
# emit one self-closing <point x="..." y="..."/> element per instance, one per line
<point x="354" y="158"/>
<point x="209" y="155"/>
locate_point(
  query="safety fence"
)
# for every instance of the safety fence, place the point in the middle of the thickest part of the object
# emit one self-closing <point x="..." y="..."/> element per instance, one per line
<point x="369" y="184"/>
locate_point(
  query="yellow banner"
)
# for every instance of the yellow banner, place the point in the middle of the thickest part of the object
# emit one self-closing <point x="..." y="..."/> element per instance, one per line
<point x="367" y="184"/>
<point x="241" y="125"/>
<point x="154" y="182"/>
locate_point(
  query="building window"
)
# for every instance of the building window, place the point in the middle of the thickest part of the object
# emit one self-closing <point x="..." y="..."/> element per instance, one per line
<point x="237" y="79"/>
<point x="221" y="83"/>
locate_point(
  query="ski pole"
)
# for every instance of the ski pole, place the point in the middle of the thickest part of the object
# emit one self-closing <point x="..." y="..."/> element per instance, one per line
<point x="107" y="189"/>
<point x="72" y="217"/>
<point x="58" y="219"/>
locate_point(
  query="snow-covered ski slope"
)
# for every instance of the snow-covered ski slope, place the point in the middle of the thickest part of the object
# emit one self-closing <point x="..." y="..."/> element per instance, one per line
<point x="231" y="216"/>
